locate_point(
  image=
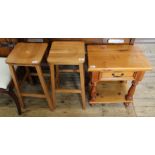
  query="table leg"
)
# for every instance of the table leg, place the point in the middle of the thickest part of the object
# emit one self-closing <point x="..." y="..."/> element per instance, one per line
<point x="82" y="79"/>
<point x="94" y="80"/>
<point x="53" y="84"/>
<point x="15" y="80"/>
<point x="138" y="77"/>
<point x="44" y="86"/>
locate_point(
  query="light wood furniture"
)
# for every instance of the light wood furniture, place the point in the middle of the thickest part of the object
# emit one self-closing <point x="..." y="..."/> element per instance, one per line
<point x="67" y="53"/>
<point x="111" y="66"/>
<point x="29" y="55"/>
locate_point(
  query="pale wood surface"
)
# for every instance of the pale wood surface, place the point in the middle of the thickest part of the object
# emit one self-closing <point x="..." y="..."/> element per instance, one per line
<point x="69" y="46"/>
<point x="116" y="58"/>
<point x="111" y="92"/>
<point x="69" y="53"/>
<point x="27" y="53"/>
<point x="69" y="104"/>
<point x="66" y="58"/>
<point x="116" y="75"/>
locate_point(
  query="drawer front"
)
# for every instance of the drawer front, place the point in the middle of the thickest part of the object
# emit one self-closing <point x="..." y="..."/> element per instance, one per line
<point x="116" y="75"/>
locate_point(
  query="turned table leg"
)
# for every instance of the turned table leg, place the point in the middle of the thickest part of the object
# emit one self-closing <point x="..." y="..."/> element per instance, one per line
<point x="138" y="77"/>
<point x="94" y="80"/>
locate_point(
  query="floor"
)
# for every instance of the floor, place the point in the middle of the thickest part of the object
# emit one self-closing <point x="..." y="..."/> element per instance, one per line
<point x="70" y="105"/>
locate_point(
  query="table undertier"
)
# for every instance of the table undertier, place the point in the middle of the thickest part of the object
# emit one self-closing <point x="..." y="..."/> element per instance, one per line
<point x="111" y="92"/>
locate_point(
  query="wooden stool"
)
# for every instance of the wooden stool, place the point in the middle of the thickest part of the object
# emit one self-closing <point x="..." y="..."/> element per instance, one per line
<point x="67" y="53"/>
<point x="29" y="55"/>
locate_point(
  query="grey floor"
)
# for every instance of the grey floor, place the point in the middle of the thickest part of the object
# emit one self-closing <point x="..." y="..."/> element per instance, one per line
<point x="70" y="104"/>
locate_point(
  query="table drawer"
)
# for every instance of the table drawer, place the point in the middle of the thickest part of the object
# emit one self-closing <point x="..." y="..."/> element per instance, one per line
<point x="116" y="75"/>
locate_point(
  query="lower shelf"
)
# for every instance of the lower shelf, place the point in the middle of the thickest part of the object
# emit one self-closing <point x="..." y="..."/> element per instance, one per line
<point x="111" y="92"/>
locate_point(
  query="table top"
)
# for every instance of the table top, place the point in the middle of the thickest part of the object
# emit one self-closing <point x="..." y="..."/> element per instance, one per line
<point x="116" y="58"/>
<point x="67" y="52"/>
<point x="27" y="53"/>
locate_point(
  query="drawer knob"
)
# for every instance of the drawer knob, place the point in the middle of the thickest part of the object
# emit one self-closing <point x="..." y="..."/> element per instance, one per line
<point x="117" y="74"/>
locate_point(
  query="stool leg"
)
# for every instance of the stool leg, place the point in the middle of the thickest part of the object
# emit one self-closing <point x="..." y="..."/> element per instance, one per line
<point x="14" y="97"/>
<point x="44" y="86"/>
<point x="53" y="84"/>
<point x="14" y="77"/>
<point x="81" y="67"/>
<point x="57" y="77"/>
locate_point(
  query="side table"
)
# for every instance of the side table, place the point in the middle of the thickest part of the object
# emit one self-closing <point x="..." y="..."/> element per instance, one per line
<point x="111" y="67"/>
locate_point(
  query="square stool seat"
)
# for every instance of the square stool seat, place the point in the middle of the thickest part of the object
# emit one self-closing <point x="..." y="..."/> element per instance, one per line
<point x="66" y="58"/>
<point x="67" y="53"/>
<point x="5" y="75"/>
<point x="27" y="53"/>
<point x="70" y="46"/>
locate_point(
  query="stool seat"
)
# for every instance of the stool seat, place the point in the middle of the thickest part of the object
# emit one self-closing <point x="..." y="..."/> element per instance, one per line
<point x="71" y="46"/>
<point x="5" y="75"/>
<point x="27" y="53"/>
<point x="66" y="58"/>
<point x="67" y="53"/>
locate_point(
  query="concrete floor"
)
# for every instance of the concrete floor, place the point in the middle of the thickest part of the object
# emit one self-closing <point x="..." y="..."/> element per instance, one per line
<point x="70" y="104"/>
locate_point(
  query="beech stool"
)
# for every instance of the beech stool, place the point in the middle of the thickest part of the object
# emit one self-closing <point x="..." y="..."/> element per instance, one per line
<point x="29" y="55"/>
<point x="67" y="53"/>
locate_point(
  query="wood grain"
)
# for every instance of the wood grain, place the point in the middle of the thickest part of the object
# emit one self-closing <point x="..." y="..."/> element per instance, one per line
<point x="27" y="53"/>
<point x="117" y="58"/>
<point x="67" y="53"/>
<point x="68" y="105"/>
